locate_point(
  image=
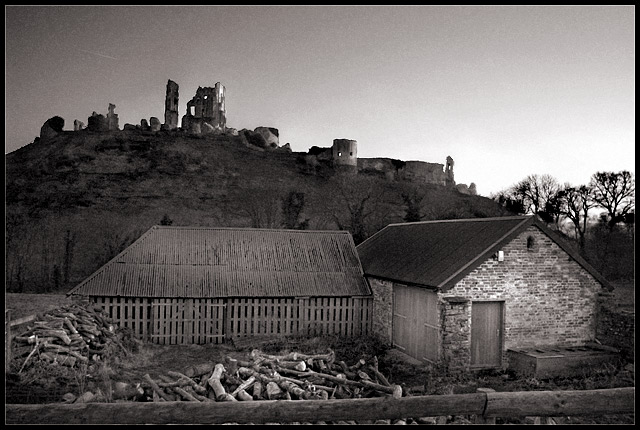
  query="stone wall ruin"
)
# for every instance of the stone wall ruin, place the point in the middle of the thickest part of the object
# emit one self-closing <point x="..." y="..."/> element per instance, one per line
<point x="208" y="105"/>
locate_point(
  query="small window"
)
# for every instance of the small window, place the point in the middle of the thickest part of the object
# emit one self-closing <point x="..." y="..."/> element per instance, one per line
<point x="206" y="97"/>
<point x="351" y="154"/>
<point x="339" y="154"/>
<point x="531" y="243"/>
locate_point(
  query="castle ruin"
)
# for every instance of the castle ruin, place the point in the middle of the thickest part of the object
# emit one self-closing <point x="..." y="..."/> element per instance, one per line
<point x="206" y="107"/>
<point x="206" y="114"/>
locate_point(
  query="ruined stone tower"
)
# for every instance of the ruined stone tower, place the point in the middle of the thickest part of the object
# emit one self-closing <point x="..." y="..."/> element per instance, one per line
<point x="448" y="173"/>
<point x="206" y="107"/>
<point x="112" y="118"/>
<point x="171" y="106"/>
<point x="344" y="152"/>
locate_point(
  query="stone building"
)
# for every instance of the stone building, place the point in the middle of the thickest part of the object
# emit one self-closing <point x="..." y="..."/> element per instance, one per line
<point x="467" y="293"/>
<point x="207" y="106"/>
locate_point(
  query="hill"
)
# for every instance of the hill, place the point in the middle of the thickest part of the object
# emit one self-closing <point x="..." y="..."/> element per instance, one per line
<point x="76" y="200"/>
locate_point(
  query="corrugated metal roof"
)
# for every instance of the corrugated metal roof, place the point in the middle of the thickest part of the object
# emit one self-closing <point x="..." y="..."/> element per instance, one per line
<point x="170" y="261"/>
<point x="437" y="254"/>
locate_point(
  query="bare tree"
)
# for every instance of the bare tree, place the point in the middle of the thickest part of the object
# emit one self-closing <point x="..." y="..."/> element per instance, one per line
<point x="412" y="200"/>
<point x="262" y="208"/>
<point x="363" y="200"/>
<point x="614" y="192"/>
<point x="537" y="192"/>
<point x="292" y="207"/>
<point x="577" y="203"/>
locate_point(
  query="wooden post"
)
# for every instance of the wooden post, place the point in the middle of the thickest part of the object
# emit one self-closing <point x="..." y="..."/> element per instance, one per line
<point x="482" y="419"/>
<point x="7" y="339"/>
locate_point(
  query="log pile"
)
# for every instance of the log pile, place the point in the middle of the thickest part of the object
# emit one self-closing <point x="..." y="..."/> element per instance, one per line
<point x="69" y="335"/>
<point x="294" y="376"/>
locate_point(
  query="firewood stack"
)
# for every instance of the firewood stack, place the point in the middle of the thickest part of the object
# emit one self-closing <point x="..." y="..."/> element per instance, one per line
<point x="293" y="376"/>
<point x="70" y="335"/>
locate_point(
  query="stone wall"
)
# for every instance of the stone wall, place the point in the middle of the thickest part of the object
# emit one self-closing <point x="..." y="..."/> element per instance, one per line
<point x="421" y="171"/>
<point x="382" y="308"/>
<point x="455" y="319"/>
<point x="549" y="298"/>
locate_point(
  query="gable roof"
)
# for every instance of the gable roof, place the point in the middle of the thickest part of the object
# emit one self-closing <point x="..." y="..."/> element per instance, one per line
<point x="437" y="254"/>
<point x="169" y="261"/>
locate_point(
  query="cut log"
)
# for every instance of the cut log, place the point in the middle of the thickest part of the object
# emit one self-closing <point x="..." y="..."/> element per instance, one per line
<point x="274" y="392"/>
<point x="245" y="385"/>
<point x="199" y="370"/>
<point x="60" y="334"/>
<point x="157" y="389"/>
<point x="216" y="385"/>
<point x="242" y="395"/>
<point x="257" y="390"/>
<point x="193" y="384"/>
<point x="185" y="395"/>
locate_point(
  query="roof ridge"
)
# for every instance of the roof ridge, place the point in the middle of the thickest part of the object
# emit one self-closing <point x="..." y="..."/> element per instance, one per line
<point x="186" y="227"/>
<point x="498" y="218"/>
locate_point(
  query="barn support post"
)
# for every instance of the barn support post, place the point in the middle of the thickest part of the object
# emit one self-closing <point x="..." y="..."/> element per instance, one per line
<point x="7" y="339"/>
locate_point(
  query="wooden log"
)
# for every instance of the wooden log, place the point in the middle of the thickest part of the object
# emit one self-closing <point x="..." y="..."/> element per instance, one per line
<point x="185" y="395"/>
<point x="200" y="397"/>
<point x="245" y="385"/>
<point x="199" y="369"/>
<point x="216" y="385"/>
<point x="358" y="365"/>
<point x="559" y="403"/>
<point x="294" y="389"/>
<point x="379" y="376"/>
<point x="242" y="395"/>
<point x="274" y="392"/>
<point x="62" y="350"/>
<point x="369" y="384"/>
<point x="156" y="388"/>
<point x="292" y="356"/>
<point x="231" y="365"/>
<point x="193" y="384"/>
<point x="60" y="334"/>
<point x="608" y="401"/>
<point x="123" y="390"/>
<point x="257" y="390"/>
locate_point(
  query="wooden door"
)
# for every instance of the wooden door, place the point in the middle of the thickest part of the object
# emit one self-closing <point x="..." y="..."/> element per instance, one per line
<point x="415" y="329"/>
<point x="486" y="334"/>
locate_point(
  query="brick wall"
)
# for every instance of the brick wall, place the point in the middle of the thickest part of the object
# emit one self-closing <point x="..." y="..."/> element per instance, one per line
<point x="382" y="308"/>
<point x="549" y="298"/>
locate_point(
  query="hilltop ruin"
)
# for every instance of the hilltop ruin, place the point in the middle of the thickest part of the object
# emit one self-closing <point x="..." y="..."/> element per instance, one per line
<point x="206" y="114"/>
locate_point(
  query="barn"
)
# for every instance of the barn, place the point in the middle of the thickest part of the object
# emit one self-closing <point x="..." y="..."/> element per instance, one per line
<point x="183" y="285"/>
<point x="466" y="293"/>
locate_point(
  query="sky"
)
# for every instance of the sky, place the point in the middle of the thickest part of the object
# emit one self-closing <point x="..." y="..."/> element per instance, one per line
<point x="506" y="91"/>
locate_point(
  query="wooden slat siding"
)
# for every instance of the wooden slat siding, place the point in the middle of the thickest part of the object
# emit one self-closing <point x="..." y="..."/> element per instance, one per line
<point x="188" y="321"/>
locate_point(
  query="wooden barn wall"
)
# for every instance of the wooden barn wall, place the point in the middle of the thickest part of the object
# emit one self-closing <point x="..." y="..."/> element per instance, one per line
<point x="198" y="321"/>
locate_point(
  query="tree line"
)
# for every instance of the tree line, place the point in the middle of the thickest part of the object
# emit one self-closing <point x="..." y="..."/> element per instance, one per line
<point x="602" y="209"/>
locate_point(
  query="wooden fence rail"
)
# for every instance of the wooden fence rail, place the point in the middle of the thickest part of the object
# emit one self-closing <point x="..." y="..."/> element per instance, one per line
<point x="506" y="404"/>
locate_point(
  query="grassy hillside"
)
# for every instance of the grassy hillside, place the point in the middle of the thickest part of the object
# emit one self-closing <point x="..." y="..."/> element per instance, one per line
<point x="74" y="202"/>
